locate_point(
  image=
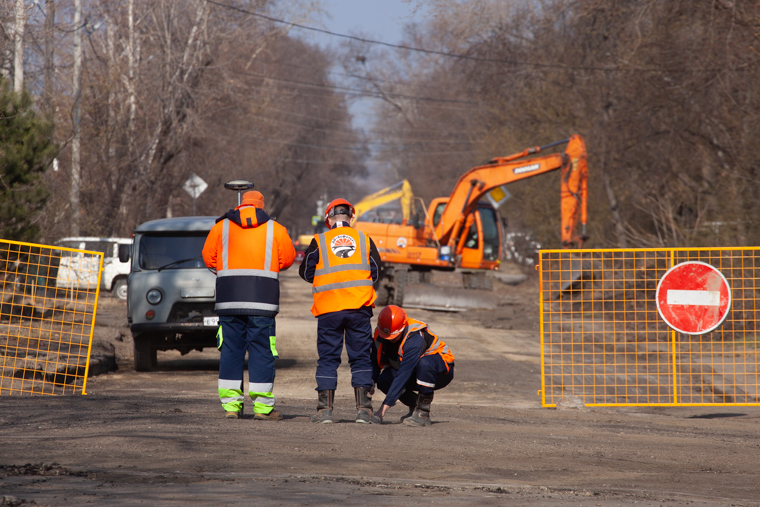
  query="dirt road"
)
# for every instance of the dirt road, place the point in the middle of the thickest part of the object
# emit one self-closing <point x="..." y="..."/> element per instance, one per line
<point x="159" y="438"/>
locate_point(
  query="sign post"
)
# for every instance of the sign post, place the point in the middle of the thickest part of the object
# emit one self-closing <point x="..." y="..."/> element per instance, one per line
<point x="693" y="298"/>
<point x="195" y="187"/>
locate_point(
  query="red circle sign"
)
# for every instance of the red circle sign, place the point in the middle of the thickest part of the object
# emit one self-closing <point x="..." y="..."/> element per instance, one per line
<point x="693" y="297"/>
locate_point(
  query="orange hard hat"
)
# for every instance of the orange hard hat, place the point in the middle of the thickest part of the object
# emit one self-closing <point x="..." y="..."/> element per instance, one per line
<point x="391" y="322"/>
<point x="330" y="210"/>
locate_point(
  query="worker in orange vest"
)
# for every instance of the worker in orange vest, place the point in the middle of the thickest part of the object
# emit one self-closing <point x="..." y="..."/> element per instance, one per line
<point x="247" y="250"/>
<point x="342" y="265"/>
<point x="409" y="358"/>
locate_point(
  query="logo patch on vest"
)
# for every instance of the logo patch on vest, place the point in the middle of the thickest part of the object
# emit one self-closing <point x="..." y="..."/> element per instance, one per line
<point x="343" y="246"/>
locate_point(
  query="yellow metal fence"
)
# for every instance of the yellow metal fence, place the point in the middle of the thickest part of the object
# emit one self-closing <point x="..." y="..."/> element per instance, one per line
<point x="47" y="315"/>
<point x="603" y="340"/>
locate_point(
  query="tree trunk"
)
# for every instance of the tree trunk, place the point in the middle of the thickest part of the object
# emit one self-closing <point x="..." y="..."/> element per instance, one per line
<point x="18" y="40"/>
<point x="49" y="55"/>
<point x="76" y="119"/>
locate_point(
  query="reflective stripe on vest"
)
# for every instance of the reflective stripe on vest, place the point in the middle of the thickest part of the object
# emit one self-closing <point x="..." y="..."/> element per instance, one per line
<point x="259" y="287"/>
<point x="342" y="285"/>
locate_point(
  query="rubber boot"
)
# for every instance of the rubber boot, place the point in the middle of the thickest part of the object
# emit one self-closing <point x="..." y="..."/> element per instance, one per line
<point x="364" y="412"/>
<point x="408" y="398"/>
<point x="421" y="415"/>
<point x="324" y="407"/>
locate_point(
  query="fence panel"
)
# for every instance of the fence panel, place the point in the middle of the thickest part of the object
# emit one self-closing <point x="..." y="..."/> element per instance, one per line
<point x="48" y="300"/>
<point x="603" y="340"/>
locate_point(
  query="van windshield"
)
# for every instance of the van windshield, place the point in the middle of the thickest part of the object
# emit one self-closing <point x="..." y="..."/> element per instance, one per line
<point x="158" y="251"/>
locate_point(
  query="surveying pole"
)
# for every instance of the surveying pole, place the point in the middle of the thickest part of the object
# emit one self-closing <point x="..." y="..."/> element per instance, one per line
<point x="239" y="186"/>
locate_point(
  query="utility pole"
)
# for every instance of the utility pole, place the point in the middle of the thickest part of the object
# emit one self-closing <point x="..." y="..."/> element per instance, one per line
<point x="18" y="39"/>
<point x="76" y="119"/>
<point x="49" y="68"/>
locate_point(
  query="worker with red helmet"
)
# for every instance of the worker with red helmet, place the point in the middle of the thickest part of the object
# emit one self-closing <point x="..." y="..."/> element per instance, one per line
<point x="342" y="265"/>
<point x="409" y="359"/>
<point x="247" y="250"/>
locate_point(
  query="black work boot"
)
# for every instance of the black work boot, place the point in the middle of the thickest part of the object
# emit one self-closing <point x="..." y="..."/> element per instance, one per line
<point x="324" y="407"/>
<point x="364" y="412"/>
<point x="421" y="415"/>
<point x="408" y="398"/>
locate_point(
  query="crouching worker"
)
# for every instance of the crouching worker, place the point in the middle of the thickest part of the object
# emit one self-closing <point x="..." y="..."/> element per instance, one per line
<point x="409" y="364"/>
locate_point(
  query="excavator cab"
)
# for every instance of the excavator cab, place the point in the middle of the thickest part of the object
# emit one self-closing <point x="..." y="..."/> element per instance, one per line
<point x="482" y="243"/>
<point x="481" y="247"/>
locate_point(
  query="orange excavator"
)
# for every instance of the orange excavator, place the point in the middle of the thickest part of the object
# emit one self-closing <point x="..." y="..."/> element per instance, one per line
<point x="462" y="232"/>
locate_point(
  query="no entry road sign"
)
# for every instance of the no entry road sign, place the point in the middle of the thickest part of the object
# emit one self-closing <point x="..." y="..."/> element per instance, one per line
<point x="693" y="297"/>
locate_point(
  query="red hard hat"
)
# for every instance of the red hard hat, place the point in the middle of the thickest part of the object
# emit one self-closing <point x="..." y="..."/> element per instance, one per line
<point x="391" y="322"/>
<point x="329" y="210"/>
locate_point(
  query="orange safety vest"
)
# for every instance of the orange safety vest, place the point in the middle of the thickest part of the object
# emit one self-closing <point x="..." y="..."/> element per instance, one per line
<point x="343" y="277"/>
<point x="432" y="345"/>
<point x="247" y="259"/>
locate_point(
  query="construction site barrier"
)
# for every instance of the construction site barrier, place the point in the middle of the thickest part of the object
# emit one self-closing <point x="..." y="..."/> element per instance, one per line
<point x="47" y="316"/>
<point x="604" y="341"/>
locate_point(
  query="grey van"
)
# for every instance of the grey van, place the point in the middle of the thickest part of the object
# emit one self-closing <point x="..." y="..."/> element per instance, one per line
<point x="170" y="304"/>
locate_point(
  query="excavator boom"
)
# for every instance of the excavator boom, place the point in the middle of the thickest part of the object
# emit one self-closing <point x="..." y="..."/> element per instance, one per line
<point x="401" y="190"/>
<point x="477" y="182"/>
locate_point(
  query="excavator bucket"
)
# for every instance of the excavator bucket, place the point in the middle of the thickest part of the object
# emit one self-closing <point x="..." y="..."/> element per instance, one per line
<point x="447" y="299"/>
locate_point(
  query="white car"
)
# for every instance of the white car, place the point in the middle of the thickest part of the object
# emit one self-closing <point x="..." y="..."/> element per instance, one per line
<point x="80" y="271"/>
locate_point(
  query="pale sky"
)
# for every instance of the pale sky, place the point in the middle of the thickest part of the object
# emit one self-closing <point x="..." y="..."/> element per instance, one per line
<point x="381" y="20"/>
<point x="377" y="19"/>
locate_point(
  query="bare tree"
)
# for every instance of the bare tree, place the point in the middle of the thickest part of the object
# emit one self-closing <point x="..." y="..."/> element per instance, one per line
<point x="662" y="91"/>
<point x="18" y="43"/>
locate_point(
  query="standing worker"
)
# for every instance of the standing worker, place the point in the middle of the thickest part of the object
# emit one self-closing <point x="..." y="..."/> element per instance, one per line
<point x="248" y="250"/>
<point x="411" y="358"/>
<point x="342" y="264"/>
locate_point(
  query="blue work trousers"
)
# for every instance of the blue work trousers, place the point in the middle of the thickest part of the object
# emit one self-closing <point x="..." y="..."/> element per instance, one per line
<point x="430" y="375"/>
<point x="356" y="327"/>
<point x="255" y="334"/>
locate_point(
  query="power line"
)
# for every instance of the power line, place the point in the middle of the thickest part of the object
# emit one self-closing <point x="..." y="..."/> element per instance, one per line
<point x="363" y="93"/>
<point x="375" y="130"/>
<point x="458" y="56"/>
<point x="357" y="150"/>
<point x="403" y="140"/>
<point x="394" y="46"/>
<point x="365" y="78"/>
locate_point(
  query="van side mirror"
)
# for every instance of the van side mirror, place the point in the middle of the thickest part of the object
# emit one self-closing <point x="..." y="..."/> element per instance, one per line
<point x="124" y="253"/>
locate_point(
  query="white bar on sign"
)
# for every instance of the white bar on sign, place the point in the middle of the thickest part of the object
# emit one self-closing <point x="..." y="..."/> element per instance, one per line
<point x="694" y="297"/>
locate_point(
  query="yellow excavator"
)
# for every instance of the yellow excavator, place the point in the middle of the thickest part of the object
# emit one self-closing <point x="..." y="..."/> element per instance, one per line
<point x="400" y="191"/>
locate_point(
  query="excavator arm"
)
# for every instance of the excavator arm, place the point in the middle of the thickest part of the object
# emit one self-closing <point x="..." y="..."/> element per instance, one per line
<point x="401" y="190"/>
<point x="477" y="182"/>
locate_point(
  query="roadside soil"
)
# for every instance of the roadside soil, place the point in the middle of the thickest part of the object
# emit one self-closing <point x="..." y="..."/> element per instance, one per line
<point x="160" y="438"/>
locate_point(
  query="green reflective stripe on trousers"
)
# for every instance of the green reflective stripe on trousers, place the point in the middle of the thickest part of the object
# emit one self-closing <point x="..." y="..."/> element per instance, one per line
<point x="273" y="345"/>
<point x="263" y="403"/>
<point x="219" y="338"/>
<point x="232" y="399"/>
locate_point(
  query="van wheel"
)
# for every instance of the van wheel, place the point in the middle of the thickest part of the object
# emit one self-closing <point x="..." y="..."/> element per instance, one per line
<point x="119" y="289"/>
<point x="146" y="357"/>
